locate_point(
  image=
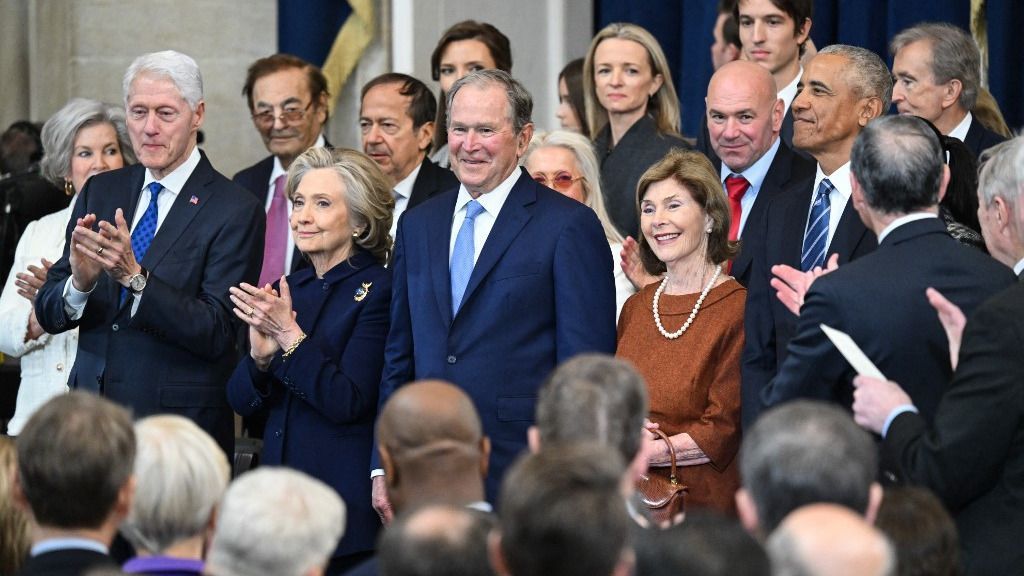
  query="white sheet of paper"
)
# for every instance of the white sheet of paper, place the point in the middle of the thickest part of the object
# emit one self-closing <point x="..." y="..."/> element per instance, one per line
<point x="853" y="354"/>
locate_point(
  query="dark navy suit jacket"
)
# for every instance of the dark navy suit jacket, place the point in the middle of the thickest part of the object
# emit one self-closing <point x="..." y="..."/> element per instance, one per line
<point x="322" y="400"/>
<point x="768" y="325"/>
<point x="973" y="455"/>
<point x="880" y="301"/>
<point x="176" y="354"/>
<point x="541" y="292"/>
<point x="979" y="138"/>
<point x="431" y="181"/>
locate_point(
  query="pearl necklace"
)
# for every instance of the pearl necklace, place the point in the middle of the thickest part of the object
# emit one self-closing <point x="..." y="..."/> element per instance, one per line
<point x="696" y="307"/>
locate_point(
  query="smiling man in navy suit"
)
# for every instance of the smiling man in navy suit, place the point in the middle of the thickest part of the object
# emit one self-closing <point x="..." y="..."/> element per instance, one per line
<point x="499" y="280"/>
<point x="150" y="253"/>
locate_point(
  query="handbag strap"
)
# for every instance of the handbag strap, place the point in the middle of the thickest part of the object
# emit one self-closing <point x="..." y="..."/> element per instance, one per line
<point x="671" y="455"/>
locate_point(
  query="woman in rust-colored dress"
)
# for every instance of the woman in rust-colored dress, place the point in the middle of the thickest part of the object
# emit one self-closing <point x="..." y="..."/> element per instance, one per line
<point x="685" y="332"/>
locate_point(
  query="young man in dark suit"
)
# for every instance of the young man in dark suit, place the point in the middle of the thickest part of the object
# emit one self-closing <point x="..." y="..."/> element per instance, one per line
<point x="150" y="254"/>
<point x="76" y="507"/>
<point x="972" y="455"/>
<point x="396" y="118"/>
<point x="528" y="282"/>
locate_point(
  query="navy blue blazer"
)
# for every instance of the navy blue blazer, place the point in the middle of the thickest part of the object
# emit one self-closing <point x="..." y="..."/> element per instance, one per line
<point x="67" y="562"/>
<point x="176" y="354"/>
<point x="541" y="292"/>
<point x="973" y="455"/>
<point x="768" y="325"/>
<point x="321" y="402"/>
<point x="880" y="302"/>
<point x="431" y="181"/>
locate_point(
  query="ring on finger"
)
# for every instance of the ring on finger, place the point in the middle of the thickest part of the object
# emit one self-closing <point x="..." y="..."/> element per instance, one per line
<point x="99" y="251"/>
<point x="251" y="310"/>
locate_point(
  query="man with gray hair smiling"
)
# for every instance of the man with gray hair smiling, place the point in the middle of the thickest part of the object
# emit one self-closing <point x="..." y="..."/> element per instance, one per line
<point x="149" y="258"/>
<point x="276" y="522"/>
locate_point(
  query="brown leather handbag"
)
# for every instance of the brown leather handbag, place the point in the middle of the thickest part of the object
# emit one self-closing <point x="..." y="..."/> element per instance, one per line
<point x="664" y="498"/>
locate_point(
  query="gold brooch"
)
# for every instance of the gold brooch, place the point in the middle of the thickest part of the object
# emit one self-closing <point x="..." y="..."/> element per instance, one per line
<point x="362" y="291"/>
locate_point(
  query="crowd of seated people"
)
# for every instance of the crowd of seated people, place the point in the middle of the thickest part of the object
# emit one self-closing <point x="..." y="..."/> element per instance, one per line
<point x="477" y="345"/>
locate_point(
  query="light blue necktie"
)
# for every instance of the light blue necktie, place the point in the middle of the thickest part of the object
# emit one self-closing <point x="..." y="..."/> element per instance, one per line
<point x="816" y="238"/>
<point x="462" y="256"/>
<point x="144" y="231"/>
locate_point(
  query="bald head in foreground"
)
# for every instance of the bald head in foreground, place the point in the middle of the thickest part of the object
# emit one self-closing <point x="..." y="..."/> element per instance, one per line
<point x="829" y="540"/>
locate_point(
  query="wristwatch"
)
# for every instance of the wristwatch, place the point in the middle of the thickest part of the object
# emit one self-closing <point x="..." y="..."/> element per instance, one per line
<point x="137" y="283"/>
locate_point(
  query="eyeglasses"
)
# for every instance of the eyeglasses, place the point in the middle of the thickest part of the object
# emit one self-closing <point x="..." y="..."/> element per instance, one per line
<point x="561" y="181"/>
<point x="288" y="115"/>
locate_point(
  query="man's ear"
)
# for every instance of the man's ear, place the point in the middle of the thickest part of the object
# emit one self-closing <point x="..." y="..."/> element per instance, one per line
<point x="424" y="136"/>
<point x="875" y="495"/>
<point x="495" y="554"/>
<point x="388" y="465"/>
<point x="748" y="513"/>
<point x="533" y="439"/>
<point x="485" y="456"/>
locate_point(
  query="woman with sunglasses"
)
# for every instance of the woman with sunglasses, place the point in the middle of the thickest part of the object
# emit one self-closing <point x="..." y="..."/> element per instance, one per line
<point x="565" y="162"/>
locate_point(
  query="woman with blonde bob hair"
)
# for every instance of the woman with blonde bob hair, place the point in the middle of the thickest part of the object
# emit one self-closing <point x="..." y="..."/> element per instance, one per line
<point x="180" y="475"/>
<point x="685" y="333"/>
<point x="632" y="112"/>
<point x="565" y="162"/>
<point x="317" y="337"/>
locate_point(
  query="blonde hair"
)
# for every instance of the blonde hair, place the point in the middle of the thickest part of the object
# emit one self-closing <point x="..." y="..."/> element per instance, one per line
<point x="586" y="163"/>
<point x="368" y="197"/>
<point x="14" y="528"/>
<point x="663" y="105"/>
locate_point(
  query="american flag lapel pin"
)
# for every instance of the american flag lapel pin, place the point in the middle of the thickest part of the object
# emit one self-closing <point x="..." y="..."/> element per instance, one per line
<point x="194" y="200"/>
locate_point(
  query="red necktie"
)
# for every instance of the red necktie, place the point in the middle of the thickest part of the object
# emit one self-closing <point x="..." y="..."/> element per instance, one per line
<point x="736" y="187"/>
<point x="275" y="244"/>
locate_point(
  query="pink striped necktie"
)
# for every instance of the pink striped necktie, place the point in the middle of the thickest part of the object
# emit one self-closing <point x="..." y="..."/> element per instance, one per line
<point x="275" y="245"/>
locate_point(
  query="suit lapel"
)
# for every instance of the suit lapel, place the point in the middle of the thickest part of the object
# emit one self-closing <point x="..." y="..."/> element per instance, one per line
<point x="182" y="212"/>
<point x="848" y="234"/>
<point x="438" y="240"/>
<point x="774" y="181"/>
<point x="513" y="216"/>
<point x="797" y="209"/>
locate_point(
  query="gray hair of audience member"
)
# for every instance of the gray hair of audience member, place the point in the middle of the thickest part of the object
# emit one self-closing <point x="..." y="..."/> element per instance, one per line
<point x="75" y="454"/>
<point x="897" y="160"/>
<point x="594" y="398"/>
<point x="582" y="150"/>
<point x="561" y="512"/>
<point x="275" y="522"/>
<point x="368" y="196"/>
<point x="181" y="474"/>
<point x="921" y="531"/>
<point x="955" y="56"/>
<point x="825" y="540"/>
<point x="437" y="539"/>
<point x="520" y="103"/>
<point x="179" y="68"/>
<point x="1002" y="174"/>
<point x="706" y="544"/>
<point x="867" y="74"/>
<point x="806" y="452"/>
<point x="62" y="128"/>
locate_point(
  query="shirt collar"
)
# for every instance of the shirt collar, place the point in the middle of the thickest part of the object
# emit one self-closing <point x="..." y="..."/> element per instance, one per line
<point x="491" y="201"/>
<point x="1018" y="268"/>
<point x="960" y="132"/>
<point x="906" y="219"/>
<point x="789" y="92"/>
<point x="279" y="168"/>
<point x="54" y="544"/>
<point x="175" y="181"/>
<point x="481" y="506"/>
<point x="756" y="172"/>
<point x="404" y="188"/>
<point x="840" y="180"/>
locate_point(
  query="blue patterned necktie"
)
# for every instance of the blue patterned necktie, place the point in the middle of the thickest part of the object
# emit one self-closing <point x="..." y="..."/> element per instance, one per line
<point x="144" y="231"/>
<point x="462" y="256"/>
<point x="816" y="238"/>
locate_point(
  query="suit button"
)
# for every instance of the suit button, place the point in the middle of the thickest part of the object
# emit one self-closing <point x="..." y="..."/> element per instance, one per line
<point x="452" y="359"/>
<point x="277" y="433"/>
<point x="115" y="327"/>
<point x="326" y="286"/>
<point x="254" y="404"/>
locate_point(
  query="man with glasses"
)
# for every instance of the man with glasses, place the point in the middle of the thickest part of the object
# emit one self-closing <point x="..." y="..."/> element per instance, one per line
<point x="149" y="258"/>
<point x="288" y="101"/>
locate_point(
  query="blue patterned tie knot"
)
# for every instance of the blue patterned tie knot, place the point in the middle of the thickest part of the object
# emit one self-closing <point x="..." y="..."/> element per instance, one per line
<point x="816" y="237"/>
<point x="462" y="256"/>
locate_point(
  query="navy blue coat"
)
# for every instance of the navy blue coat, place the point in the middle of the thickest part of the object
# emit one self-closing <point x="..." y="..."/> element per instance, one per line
<point x="541" y="292"/>
<point x="322" y="400"/>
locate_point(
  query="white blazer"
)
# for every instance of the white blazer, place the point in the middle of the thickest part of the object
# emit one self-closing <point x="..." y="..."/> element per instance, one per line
<point x="47" y="360"/>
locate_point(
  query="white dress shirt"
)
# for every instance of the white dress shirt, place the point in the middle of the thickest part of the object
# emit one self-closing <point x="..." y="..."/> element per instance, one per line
<point x="838" y="199"/>
<point x="47" y="360"/>
<point x="788" y="93"/>
<point x="402" y="193"/>
<point x="1018" y="268"/>
<point x="913" y="217"/>
<point x="960" y="132"/>
<point x="74" y="299"/>
<point x="755" y="175"/>
<point x="492" y="202"/>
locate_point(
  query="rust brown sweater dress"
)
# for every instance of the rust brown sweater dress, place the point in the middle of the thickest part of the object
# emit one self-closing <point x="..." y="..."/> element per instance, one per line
<point x="693" y="381"/>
